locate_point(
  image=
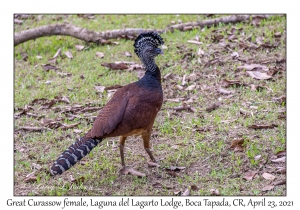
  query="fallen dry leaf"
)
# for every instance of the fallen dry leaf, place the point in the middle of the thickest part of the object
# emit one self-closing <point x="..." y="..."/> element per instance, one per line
<point x="115" y="66"/>
<point x="167" y="76"/>
<point x="192" y="77"/>
<point x="257" y="87"/>
<point x="191" y="87"/>
<point x="213" y="106"/>
<point x="100" y="54"/>
<point x="250" y="175"/>
<point x="52" y="60"/>
<point x="194" y="187"/>
<point x="280" y="170"/>
<point x="62" y="99"/>
<point x="259" y="40"/>
<point x="179" y="87"/>
<point x="214" y="192"/>
<point x="36" y="166"/>
<point x="100" y="88"/>
<point x="177" y="192"/>
<point x="237" y="145"/>
<point x="277" y="34"/>
<point x="268" y="188"/>
<point x="253" y="67"/>
<point x="228" y="83"/>
<point x="62" y="74"/>
<point x="48" y="104"/>
<point x="48" y="67"/>
<point x="268" y="176"/>
<point x="157" y="184"/>
<point x="211" y="62"/>
<point x="22" y="149"/>
<point x="268" y="45"/>
<point x="128" y="54"/>
<point x="262" y="126"/>
<point x="281" y="153"/>
<point x="183" y="82"/>
<point x="69" y="54"/>
<point x="235" y="55"/>
<point x="76" y="181"/>
<point x="24" y="56"/>
<point x="244" y="112"/>
<point x="279" y="160"/>
<point x="48" y="82"/>
<point x="186" y="193"/>
<point x="79" y="47"/>
<point x="77" y="131"/>
<point x="172" y="173"/>
<point x="200" y="52"/>
<point x="176" y="168"/>
<point x="30" y="179"/>
<point x="256" y="20"/>
<point x="257" y="157"/>
<point x="280" y="99"/>
<point x="19" y="22"/>
<point x="184" y="106"/>
<point x="58" y="53"/>
<point x="152" y="164"/>
<point x="127" y="170"/>
<point x="279" y="182"/>
<point x="258" y="75"/>
<point x="224" y="91"/>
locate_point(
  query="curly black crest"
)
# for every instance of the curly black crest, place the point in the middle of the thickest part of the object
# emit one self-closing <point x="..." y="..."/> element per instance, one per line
<point x="146" y="39"/>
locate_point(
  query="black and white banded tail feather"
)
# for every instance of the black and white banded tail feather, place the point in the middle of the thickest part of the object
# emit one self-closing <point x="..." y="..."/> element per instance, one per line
<point x="73" y="154"/>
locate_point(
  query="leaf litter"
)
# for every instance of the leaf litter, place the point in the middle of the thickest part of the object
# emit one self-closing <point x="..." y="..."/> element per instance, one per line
<point x="250" y="175"/>
<point x="128" y="170"/>
<point x="237" y="145"/>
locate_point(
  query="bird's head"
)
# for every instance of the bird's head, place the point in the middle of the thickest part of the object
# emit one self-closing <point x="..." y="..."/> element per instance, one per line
<point x="146" y="45"/>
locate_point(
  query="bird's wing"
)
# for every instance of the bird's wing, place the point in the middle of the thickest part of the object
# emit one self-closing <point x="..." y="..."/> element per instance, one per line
<point x="111" y="114"/>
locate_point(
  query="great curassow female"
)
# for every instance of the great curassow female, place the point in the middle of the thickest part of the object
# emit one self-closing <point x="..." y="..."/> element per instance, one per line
<point x="131" y="110"/>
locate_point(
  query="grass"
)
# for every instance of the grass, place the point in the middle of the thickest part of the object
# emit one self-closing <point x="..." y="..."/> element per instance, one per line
<point x="199" y="141"/>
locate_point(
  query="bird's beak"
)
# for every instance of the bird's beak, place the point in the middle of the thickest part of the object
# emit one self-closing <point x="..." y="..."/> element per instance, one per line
<point x="159" y="51"/>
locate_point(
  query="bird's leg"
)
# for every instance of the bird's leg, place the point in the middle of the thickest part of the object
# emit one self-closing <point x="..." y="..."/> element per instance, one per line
<point x="146" y="140"/>
<point x="122" y="142"/>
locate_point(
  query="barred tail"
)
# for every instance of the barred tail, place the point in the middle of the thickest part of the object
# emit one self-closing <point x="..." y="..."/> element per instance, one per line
<point x="73" y="154"/>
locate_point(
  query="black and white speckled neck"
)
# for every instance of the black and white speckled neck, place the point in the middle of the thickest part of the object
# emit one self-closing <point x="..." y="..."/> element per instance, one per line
<point x="149" y="64"/>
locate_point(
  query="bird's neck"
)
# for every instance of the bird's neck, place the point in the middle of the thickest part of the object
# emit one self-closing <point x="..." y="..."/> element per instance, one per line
<point x="151" y="68"/>
<point x="152" y="78"/>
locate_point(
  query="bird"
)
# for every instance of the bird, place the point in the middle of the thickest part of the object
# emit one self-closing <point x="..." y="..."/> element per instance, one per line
<point x="131" y="111"/>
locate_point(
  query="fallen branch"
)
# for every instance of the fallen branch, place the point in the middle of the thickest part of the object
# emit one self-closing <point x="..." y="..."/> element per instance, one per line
<point x="84" y="34"/>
